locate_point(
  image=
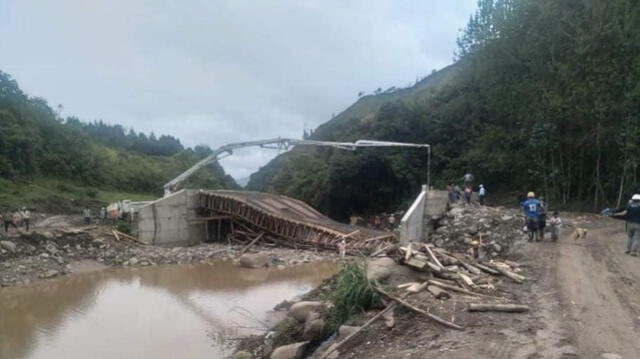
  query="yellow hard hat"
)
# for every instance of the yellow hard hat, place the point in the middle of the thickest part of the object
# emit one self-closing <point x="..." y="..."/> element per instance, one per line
<point x="531" y="194"/>
<point x="475" y="243"/>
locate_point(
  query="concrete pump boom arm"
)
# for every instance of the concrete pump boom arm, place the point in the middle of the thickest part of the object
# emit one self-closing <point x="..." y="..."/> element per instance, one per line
<point x="281" y="144"/>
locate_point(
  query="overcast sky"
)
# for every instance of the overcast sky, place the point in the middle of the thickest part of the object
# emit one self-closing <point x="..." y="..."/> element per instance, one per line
<point x="219" y="71"/>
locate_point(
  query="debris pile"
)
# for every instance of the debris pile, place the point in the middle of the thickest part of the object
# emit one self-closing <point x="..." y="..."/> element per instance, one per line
<point x="497" y="228"/>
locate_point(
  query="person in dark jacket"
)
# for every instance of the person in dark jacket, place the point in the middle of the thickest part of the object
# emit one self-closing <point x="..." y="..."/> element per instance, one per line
<point x="631" y="215"/>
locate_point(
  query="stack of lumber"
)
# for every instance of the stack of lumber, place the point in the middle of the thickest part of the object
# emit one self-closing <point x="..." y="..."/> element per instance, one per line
<point x="466" y="272"/>
<point x="454" y="274"/>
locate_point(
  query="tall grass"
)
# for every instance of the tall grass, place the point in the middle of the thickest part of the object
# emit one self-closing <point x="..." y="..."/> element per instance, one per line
<point x="351" y="294"/>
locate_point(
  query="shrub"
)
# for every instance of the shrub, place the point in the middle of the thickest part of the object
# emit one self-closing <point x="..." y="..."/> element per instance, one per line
<point x="351" y="294"/>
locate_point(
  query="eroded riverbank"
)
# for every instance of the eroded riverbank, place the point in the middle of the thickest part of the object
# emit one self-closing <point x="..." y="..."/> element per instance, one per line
<point x="50" y="252"/>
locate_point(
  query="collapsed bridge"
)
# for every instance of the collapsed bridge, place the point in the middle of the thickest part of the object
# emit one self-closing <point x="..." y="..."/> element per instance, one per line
<point x="190" y="217"/>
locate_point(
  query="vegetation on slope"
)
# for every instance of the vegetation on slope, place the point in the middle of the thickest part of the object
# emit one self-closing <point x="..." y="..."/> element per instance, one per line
<point x="544" y="96"/>
<point x="43" y="157"/>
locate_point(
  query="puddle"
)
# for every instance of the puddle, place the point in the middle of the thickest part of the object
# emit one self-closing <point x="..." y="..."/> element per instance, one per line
<point x="174" y="311"/>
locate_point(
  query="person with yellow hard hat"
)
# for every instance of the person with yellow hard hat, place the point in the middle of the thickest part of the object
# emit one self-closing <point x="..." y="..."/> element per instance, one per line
<point x="532" y="210"/>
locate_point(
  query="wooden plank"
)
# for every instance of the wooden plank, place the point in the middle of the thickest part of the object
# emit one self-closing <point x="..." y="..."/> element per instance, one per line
<point x="433" y="256"/>
<point x="250" y="244"/>
<point x="489" y="307"/>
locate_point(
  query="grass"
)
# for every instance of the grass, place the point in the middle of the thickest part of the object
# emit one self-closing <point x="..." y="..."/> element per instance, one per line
<point x="57" y="196"/>
<point x="351" y="294"/>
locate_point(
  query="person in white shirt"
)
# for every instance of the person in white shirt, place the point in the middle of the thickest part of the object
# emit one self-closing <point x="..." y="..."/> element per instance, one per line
<point x="26" y="217"/>
<point x="481" y="193"/>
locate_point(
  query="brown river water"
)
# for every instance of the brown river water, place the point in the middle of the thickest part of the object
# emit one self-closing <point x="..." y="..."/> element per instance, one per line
<point x="173" y="311"/>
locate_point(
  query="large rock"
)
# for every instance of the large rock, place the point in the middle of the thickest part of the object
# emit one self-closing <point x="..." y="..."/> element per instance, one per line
<point x="313" y="327"/>
<point x="291" y="351"/>
<point x="243" y="355"/>
<point x="380" y="269"/>
<point x="8" y="245"/>
<point x="346" y="330"/>
<point x="299" y="311"/>
<point x="257" y="260"/>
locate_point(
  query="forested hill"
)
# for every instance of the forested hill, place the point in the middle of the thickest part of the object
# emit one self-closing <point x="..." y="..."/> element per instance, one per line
<point x="53" y="163"/>
<point x="544" y="96"/>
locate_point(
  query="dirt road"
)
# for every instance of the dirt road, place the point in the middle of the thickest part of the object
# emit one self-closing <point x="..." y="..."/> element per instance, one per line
<point x="587" y="300"/>
<point x="600" y="293"/>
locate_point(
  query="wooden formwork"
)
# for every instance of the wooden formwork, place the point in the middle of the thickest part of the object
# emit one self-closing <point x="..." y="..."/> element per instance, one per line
<point x="318" y="231"/>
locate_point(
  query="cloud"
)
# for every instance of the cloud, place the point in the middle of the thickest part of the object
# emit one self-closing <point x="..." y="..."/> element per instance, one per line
<point x="222" y="71"/>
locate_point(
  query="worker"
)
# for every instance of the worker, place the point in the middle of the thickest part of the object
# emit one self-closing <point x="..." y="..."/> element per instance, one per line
<point x="457" y="191"/>
<point x="392" y="221"/>
<point x="377" y="222"/>
<point x="532" y="208"/>
<point x="631" y="215"/>
<point x="482" y="192"/>
<point x="467" y="194"/>
<point x="17" y="219"/>
<point x="453" y="197"/>
<point x="103" y="216"/>
<point x="86" y="213"/>
<point x="475" y="249"/>
<point x="26" y="217"/>
<point x="468" y="179"/>
<point x="7" y="218"/>
<point x="342" y="247"/>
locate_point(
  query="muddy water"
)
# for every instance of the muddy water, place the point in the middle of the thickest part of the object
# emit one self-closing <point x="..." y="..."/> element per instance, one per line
<point x="177" y="311"/>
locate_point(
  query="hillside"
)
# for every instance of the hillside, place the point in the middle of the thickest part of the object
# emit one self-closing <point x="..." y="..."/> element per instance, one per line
<point x="54" y="164"/>
<point x="543" y="97"/>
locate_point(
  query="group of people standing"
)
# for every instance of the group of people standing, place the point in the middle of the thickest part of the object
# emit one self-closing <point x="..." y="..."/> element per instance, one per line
<point x="106" y="216"/>
<point x="16" y="219"/>
<point x="455" y="193"/>
<point x="385" y="221"/>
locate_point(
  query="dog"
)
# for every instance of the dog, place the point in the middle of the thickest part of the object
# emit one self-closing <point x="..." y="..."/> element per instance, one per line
<point x="580" y="233"/>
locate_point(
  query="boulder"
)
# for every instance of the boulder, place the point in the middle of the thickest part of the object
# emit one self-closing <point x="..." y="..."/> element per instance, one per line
<point x="313" y="327"/>
<point x="299" y="311"/>
<point x="257" y="260"/>
<point x="379" y="269"/>
<point x="242" y="355"/>
<point x="8" y="245"/>
<point x="291" y="351"/>
<point x="50" y="273"/>
<point x="346" y="330"/>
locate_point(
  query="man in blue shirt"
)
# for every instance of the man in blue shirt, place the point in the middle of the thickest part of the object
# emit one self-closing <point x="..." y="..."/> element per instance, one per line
<point x="532" y="209"/>
<point x="631" y="215"/>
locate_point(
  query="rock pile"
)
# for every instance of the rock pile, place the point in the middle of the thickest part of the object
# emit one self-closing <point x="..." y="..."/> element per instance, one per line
<point x="497" y="227"/>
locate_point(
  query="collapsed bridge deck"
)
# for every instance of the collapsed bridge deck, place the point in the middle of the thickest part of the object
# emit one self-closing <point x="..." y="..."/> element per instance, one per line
<point x="193" y="216"/>
<point x="289" y="219"/>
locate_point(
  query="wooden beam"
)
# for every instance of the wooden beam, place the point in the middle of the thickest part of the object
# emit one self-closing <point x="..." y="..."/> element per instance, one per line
<point x="433" y="317"/>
